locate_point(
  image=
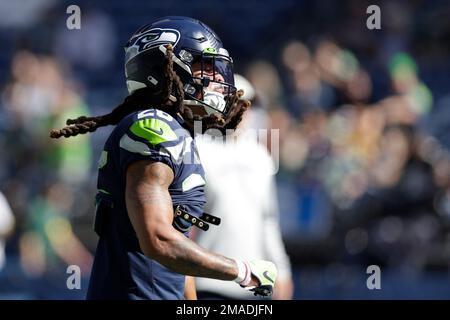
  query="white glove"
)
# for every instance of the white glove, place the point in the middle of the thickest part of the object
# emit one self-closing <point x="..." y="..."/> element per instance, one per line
<point x="264" y="271"/>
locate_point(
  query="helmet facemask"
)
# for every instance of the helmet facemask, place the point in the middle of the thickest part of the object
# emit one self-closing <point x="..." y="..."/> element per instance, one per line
<point x="211" y="84"/>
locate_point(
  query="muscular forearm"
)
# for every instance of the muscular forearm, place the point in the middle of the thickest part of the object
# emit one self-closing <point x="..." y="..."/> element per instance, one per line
<point x="160" y="241"/>
<point x="184" y="256"/>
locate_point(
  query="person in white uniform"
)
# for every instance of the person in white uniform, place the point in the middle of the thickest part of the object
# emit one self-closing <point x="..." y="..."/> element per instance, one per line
<point x="241" y="191"/>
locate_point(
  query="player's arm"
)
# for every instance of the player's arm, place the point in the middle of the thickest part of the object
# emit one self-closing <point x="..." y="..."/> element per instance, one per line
<point x="150" y="210"/>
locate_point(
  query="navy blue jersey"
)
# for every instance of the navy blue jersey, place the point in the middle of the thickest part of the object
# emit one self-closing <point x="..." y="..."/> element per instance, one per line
<point x="121" y="270"/>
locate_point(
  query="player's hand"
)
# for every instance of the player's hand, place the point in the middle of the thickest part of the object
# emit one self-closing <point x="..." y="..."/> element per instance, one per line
<point x="262" y="278"/>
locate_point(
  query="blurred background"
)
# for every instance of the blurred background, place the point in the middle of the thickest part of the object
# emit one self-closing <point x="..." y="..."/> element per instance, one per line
<point x="364" y="117"/>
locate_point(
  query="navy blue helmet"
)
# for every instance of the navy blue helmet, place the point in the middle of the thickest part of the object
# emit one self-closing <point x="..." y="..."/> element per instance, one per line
<point x="207" y="86"/>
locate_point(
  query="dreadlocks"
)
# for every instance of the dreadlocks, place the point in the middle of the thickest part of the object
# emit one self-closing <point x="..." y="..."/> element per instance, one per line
<point x="141" y="98"/>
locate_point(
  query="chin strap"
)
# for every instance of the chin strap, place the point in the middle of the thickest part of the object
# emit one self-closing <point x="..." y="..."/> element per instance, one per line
<point x="200" y="222"/>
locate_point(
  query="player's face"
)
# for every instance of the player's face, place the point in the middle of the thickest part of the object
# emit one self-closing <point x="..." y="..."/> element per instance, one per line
<point x="208" y="72"/>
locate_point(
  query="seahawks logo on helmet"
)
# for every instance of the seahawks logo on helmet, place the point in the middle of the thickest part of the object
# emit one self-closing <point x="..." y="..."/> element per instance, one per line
<point x="150" y="39"/>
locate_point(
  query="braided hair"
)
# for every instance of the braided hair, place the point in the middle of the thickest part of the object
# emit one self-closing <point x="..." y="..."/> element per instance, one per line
<point x="164" y="101"/>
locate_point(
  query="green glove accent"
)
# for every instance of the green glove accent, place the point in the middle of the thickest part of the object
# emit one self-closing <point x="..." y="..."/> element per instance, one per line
<point x="266" y="273"/>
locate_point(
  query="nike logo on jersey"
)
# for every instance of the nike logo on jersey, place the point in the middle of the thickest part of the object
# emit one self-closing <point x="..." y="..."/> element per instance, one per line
<point x="154" y="131"/>
<point x="160" y="132"/>
<point x="266" y="275"/>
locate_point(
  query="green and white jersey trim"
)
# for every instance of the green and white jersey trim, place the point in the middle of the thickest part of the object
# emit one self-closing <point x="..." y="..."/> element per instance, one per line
<point x="135" y="146"/>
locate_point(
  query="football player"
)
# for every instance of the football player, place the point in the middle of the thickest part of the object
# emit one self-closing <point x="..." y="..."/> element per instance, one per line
<point x="150" y="180"/>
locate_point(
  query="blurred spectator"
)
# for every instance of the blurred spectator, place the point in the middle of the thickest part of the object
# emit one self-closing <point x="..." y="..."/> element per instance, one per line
<point x="265" y="79"/>
<point x="38" y="98"/>
<point x="414" y="98"/>
<point x="41" y="96"/>
<point x="48" y="235"/>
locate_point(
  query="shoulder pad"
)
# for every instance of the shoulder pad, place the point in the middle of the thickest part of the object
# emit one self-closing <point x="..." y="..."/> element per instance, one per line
<point x="155" y="126"/>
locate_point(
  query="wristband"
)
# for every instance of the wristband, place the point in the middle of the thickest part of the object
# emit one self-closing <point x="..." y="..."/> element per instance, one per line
<point x="244" y="273"/>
